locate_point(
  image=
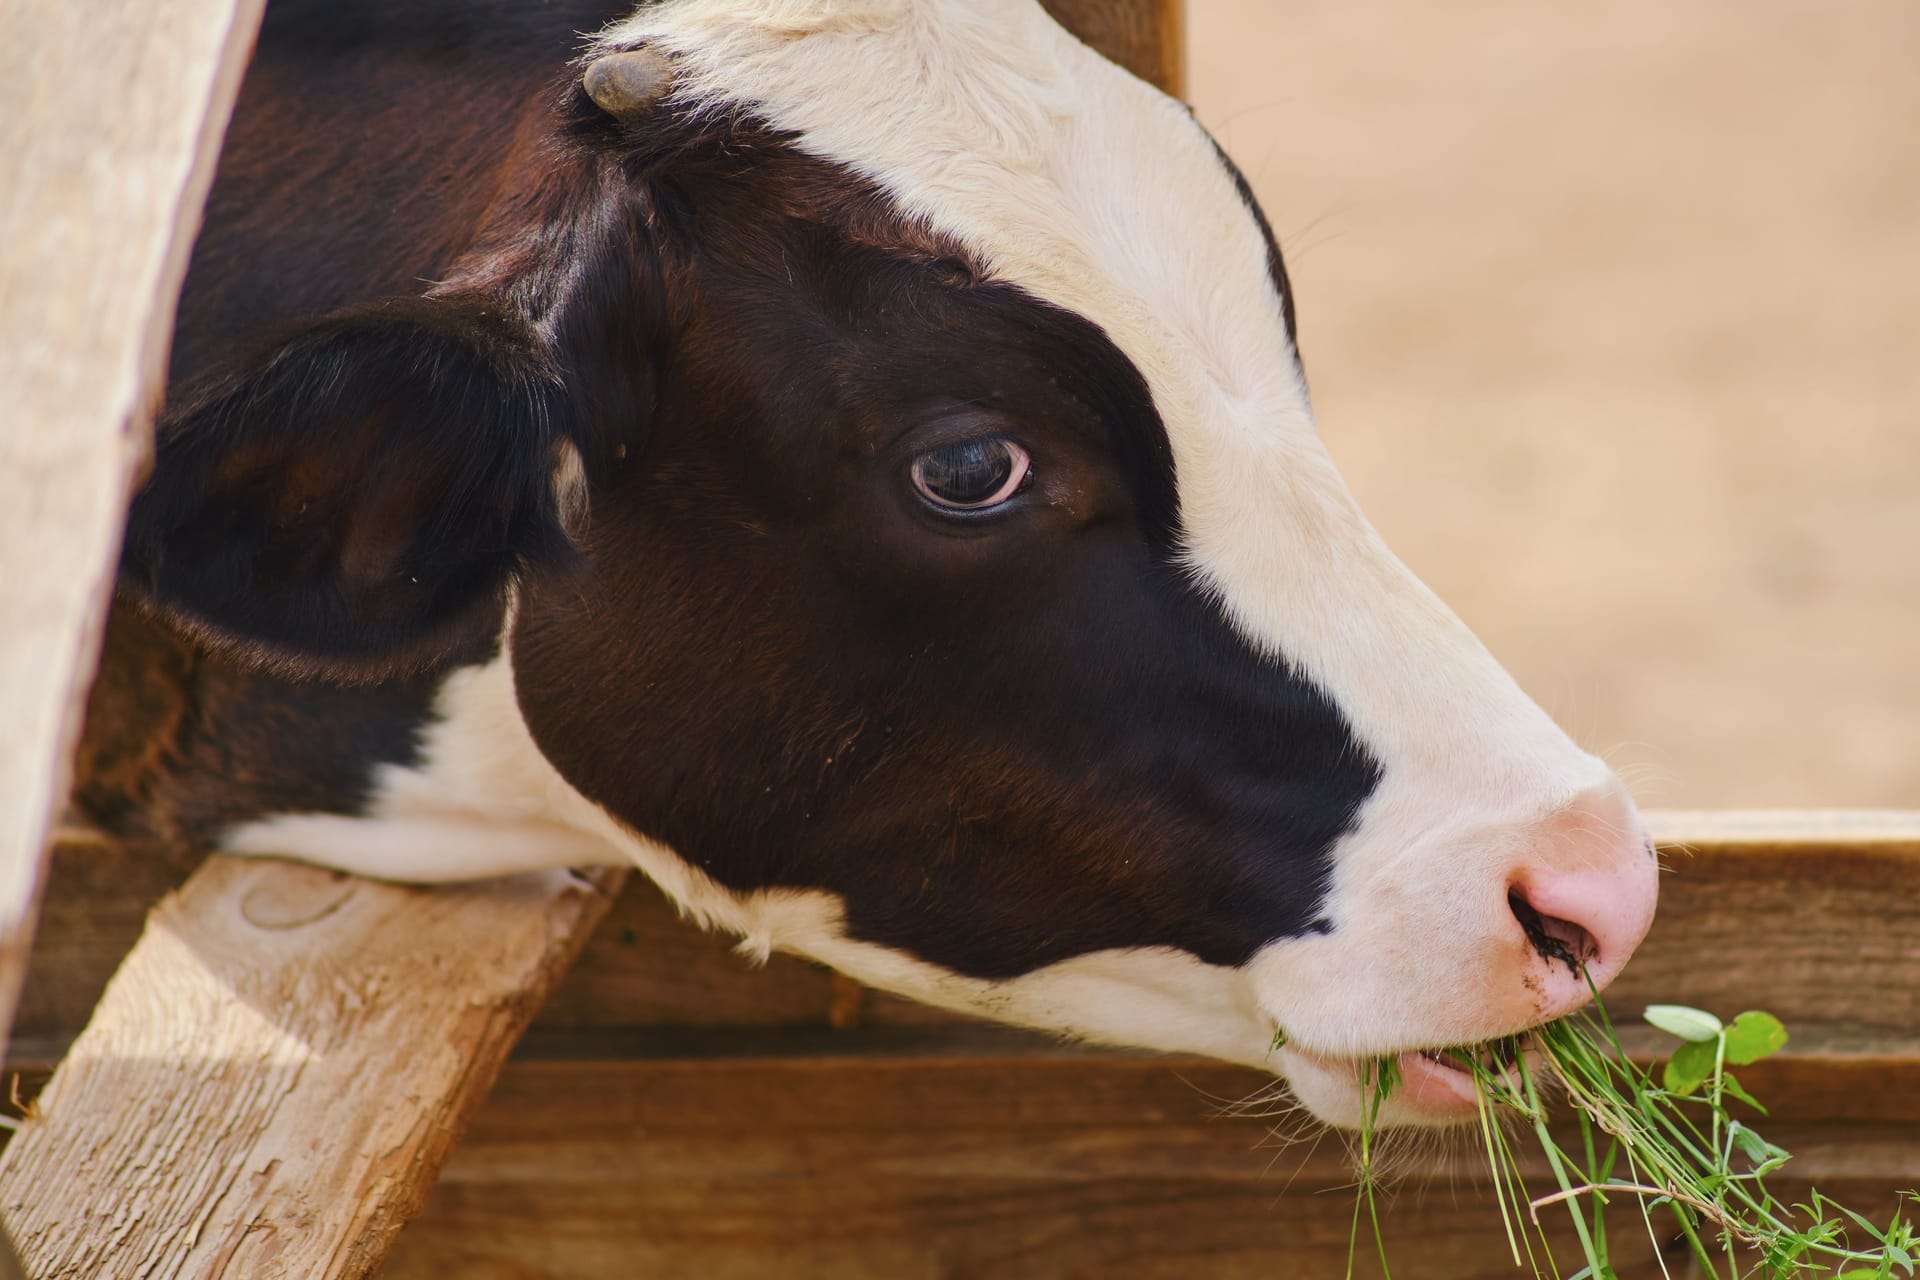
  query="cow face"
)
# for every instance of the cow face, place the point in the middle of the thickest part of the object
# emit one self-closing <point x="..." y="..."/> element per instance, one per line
<point x="924" y="558"/>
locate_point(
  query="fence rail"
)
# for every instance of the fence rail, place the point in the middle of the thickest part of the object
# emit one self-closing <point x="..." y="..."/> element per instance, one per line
<point x="675" y="1110"/>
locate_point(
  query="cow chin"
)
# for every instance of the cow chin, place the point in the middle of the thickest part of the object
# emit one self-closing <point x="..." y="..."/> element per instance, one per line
<point x="1315" y="1010"/>
<point x="1144" y="997"/>
<point x="1157" y="998"/>
<point x="1153" y="998"/>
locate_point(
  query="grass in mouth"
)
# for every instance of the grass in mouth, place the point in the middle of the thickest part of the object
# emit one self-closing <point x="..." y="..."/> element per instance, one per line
<point x="1669" y="1149"/>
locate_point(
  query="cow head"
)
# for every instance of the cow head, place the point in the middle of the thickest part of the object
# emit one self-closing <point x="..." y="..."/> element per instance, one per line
<point x="886" y="422"/>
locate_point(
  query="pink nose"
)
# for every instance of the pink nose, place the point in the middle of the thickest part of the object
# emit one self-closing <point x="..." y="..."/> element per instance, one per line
<point x="1584" y="897"/>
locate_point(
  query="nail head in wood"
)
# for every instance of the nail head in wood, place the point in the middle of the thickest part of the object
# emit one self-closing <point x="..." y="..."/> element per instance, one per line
<point x="627" y="85"/>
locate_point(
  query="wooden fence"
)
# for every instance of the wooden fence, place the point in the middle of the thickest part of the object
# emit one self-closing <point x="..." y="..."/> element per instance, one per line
<point x="674" y="1111"/>
<point x="263" y="1075"/>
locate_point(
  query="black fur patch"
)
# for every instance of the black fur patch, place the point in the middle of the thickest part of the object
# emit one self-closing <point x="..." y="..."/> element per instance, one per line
<point x="1002" y="741"/>
<point x="357" y="501"/>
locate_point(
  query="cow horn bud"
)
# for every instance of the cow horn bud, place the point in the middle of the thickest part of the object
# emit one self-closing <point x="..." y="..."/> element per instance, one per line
<point x="626" y="85"/>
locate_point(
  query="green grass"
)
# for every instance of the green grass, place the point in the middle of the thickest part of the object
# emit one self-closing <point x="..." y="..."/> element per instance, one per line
<point x="1681" y="1150"/>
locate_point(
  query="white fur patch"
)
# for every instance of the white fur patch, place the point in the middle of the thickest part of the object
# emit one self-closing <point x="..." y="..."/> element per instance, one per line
<point x="481" y="802"/>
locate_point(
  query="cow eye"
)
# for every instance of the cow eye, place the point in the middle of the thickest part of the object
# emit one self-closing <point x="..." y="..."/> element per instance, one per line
<point x="971" y="475"/>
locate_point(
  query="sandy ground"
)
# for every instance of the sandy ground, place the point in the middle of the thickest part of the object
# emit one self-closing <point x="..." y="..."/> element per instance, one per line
<point x="1612" y="317"/>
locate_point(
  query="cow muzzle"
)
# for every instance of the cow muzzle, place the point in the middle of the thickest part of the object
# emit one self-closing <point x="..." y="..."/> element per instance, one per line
<point x="1469" y="936"/>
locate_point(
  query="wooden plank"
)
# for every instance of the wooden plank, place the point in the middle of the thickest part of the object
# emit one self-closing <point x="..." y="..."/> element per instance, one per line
<point x="1838" y="915"/>
<point x="955" y="1150"/>
<point x="660" y="999"/>
<point x="274" y="1076"/>
<point x="657" y="1002"/>
<point x="1147" y="37"/>
<point x="97" y="897"/>
<point x="1824" y="934"/>
<point x="109" y="127"/>
<point x="850" y="1165"/>
<point x="109" y="130"/>
<point x="1784" y="829"/>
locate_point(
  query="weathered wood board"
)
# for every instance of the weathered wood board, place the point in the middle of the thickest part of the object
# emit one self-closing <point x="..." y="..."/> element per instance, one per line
<point x="669" y="1118"/>
<point x="1768" y="914"/>
<point x="275" y="1074"/>
<point x="108" y="135"/>
<point x="1823" y="931"/>
<point x="955" y="1164"/>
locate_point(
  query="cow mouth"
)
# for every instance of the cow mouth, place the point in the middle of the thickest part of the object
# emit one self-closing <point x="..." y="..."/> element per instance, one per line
<point x="1498" y="1057"/>
<point x="1454" y="1069"/>
<point x="1436" y="1086"/>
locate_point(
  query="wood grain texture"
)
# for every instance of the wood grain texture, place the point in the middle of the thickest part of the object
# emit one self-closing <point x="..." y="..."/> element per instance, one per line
<point x="679" y="1109"/>
<point x="272" y="1079"/>
<point x="108" y="134"/>
<point x="1147" y="37"/>
<point x="854" y="1164"/>
<point x="1823" y="930"/>
<point x="669" y="1121"/>
<point x="94" y="907"/>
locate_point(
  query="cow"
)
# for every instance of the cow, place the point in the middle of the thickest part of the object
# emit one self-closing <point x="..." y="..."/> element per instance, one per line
<point x="851" y="460"/>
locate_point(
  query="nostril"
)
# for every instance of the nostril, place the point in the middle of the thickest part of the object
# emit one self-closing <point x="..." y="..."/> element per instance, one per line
<point x="1552" y="937"/>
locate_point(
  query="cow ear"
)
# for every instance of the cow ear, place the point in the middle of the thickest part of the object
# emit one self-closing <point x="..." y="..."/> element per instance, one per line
<point x="357" y="503"/>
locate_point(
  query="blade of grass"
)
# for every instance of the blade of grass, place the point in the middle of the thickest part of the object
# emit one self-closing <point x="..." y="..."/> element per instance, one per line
<point x="1680" y="1147"/>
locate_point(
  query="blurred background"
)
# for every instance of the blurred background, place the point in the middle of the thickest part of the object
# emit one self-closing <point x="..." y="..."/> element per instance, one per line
<point x="1612" y="319"/>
